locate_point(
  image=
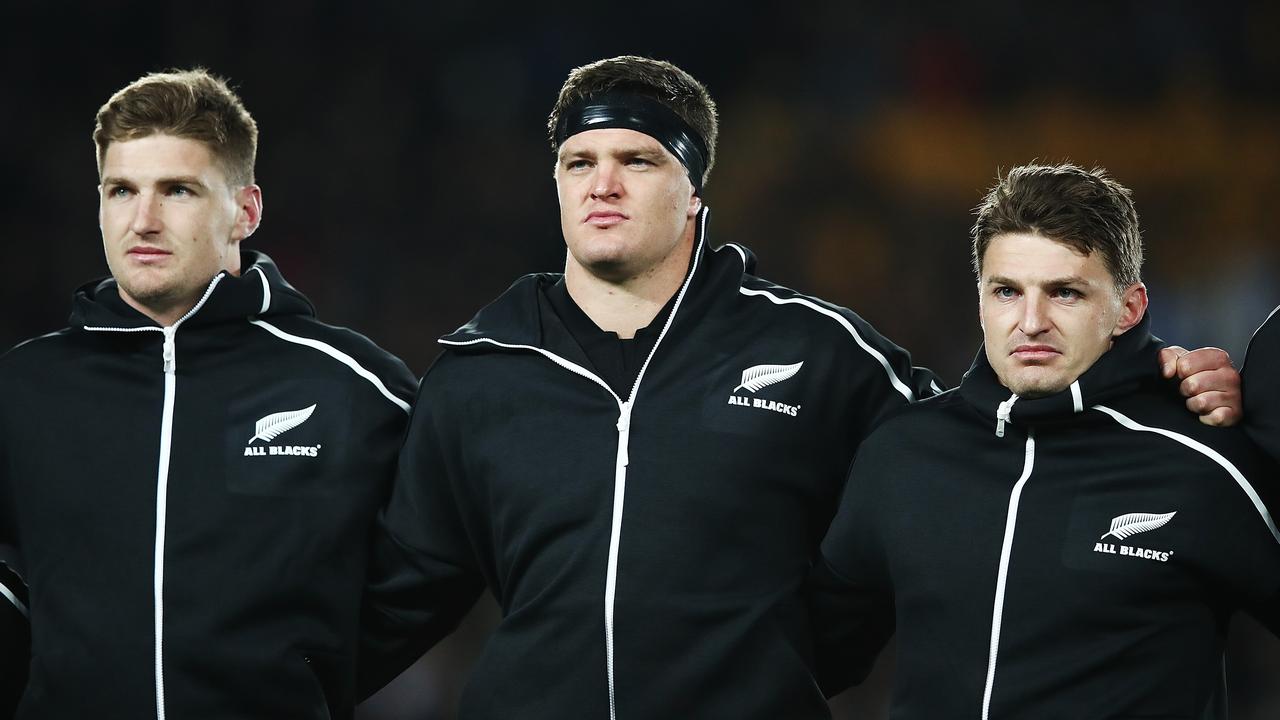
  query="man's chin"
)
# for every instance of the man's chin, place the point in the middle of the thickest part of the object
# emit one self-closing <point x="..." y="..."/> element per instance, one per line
<point x="1034" y="385"/>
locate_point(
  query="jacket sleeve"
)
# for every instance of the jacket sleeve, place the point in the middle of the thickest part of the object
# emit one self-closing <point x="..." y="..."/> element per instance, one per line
<point x="422" y="575"/>
<point x="848" y="590"/>
<point x="1261" y="378"/>
<point x="15" y="637"/>
<point x="1243" y="559"/>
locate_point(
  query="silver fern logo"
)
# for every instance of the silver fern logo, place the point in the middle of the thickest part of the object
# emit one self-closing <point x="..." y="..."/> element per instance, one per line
<point x="272" y="426"/>
<point x="759" y="377"/>
<point x="1126" y="526"/>
<point x="276" y="424"/>
<point x="1131" y="524"/>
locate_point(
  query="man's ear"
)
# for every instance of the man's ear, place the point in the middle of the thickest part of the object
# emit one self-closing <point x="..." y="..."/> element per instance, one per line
<point x="695" y="204"/>
<point x="248" y="212"/>
<point x="1133" y="306"/>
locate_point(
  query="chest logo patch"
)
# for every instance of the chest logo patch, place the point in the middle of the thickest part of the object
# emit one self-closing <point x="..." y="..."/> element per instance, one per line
<point x="759" y="377"/>
<point x="1130" y="524"/>
<point x="272" y="426"/>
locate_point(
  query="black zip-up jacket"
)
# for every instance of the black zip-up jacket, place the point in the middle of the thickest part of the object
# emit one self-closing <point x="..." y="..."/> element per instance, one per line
<point x="646" y="551"/>
<point x="1073" y="556"/>
<point x="1261" y="385"/>
<point x="192" y="505"/>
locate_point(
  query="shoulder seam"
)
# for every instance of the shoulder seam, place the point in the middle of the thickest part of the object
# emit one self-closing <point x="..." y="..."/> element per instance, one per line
<point x="336" y="354"/>
<point x="1208" y="452"/>
<point x="897" y="383"/>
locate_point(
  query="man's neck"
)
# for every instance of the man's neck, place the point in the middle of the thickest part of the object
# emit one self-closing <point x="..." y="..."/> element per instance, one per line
<point x="625" y="306"/>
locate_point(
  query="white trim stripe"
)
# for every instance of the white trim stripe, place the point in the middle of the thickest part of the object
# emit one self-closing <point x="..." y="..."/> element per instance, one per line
<point x="738" y="248"/>
<point x="997" y="614"/>
<point x="8" y="594"/>
<point x="1077" y="399"/>
<point x="162" y="503"/>
<point x="336" y="354"/>
<point x="266" y="290"/>
<point x="898" y="385"/>
<point x="1208" y="452"/>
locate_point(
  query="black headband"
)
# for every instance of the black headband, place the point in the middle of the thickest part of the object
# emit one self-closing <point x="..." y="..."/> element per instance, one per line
<point x="642" y="114"/>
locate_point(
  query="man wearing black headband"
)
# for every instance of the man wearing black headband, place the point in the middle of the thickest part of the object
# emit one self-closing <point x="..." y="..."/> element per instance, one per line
<point x="638" y="457"/>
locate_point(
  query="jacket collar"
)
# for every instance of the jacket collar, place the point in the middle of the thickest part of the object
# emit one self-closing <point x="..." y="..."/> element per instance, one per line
<point x="513" y="318"/>
<point x="1131" y="362"/>
<point x="259" y="291"/>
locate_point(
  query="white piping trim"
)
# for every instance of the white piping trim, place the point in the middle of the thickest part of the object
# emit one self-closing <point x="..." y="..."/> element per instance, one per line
<point x="336" y="354"/>
<point x="898" y="385"/>
<point x="266" y="290"/>
<point x="569" y="365"/>
<point x="997" y="614"/>
<point x="738" y="248"/>
<point x="1077" y="399"/>
<point x="1208" y="452"/>
<point x="5" y="591"/>
<point x="162" y="504"/>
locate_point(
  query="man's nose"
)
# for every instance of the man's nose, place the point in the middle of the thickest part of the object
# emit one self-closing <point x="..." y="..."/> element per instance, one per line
<point x="1035" y="319"/>
<point x="607" y="181"/>
<point x="146" y="214"/>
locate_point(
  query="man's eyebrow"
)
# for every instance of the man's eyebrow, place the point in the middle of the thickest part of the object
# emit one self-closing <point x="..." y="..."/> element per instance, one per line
<point x="180" y="180"/>
<point x="175" y="180"/>
<point x="579" y="153"/>
<point x="1052" y="282"/>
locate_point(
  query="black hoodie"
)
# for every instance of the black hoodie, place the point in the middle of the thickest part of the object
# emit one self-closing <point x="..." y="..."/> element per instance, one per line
<point x="1071" y="556"/>
<point x="646" y="549"/>
<point x="192" y="505"/>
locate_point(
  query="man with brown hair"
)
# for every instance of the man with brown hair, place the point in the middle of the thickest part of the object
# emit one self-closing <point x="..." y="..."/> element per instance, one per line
<point x="638" y="456"/>
<point x="190" y="471"/>
<point x="1057" y="537"/>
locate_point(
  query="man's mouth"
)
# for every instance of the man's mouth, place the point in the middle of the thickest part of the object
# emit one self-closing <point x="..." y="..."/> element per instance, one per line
<point x="146" y="254"/>
<point x="1035" y="353"/>
<point x="605" y="218"/>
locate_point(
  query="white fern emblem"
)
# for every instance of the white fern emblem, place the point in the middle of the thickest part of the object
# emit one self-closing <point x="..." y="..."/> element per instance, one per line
<point x="762" y="376"/>
<point x="276" y="424"/>
<point x="1134" y="523"/>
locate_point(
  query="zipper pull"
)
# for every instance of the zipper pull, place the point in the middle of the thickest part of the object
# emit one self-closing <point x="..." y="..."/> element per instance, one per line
<point x="1003" y="414"/>
<point x="169" y="353"/>
<point x="624" y="432"/>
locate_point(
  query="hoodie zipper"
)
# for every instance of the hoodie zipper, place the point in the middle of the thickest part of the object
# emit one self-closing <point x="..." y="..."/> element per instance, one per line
<point x="169" y="364"/>
<point x="1003" y="413"/>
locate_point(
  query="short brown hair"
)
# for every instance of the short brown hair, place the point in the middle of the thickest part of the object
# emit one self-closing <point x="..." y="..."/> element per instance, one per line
<point x="655" y="79"/>
<point x="192" y="104"/>
<point x="1084" y="209"/>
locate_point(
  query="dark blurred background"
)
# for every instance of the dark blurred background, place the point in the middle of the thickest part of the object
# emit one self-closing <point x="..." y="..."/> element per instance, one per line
<point x="407" y="180"/>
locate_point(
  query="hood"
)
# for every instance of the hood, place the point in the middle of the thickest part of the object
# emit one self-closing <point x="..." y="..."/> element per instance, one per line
<point x="259" y="291"/>
<point x="1131" y="362"/>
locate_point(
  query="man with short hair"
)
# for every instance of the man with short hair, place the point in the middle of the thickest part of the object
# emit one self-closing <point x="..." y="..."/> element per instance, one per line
<point x="191" y="470"/>
<point x="637" y="457"/>
<point x="1059" y="536"/>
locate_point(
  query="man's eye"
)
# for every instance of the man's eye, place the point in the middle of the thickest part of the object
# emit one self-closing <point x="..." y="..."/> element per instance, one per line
<point x="577" y="165"/>
<point x="180" y="190"/>
<point x="1067" y="294"/>
<point x="639" y="162"/>
<point x="117" y="191"/>
<point x="1005" y="293"/>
